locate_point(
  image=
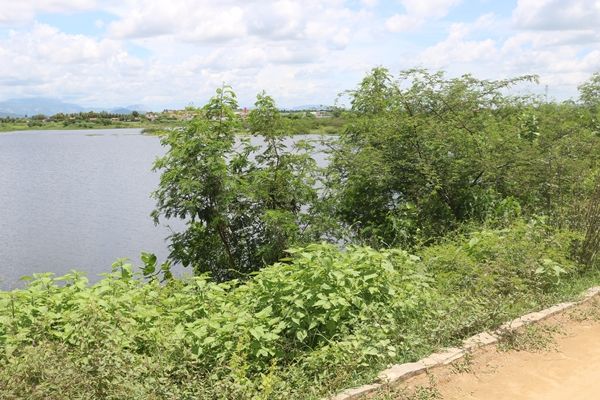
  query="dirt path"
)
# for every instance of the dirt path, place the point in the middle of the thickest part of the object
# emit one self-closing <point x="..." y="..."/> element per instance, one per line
<point x="568" y="367"/>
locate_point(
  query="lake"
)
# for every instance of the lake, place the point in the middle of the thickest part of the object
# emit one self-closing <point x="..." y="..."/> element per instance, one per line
<point x="78" y="200"/>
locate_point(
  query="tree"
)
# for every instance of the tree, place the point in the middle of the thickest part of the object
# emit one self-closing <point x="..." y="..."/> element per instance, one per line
<point x="589" y="91"/>
<point x="242" y="204"/>
<point x="196" y="186"/>
<point x="283" y="182"/>
<point x="421" y="154"/>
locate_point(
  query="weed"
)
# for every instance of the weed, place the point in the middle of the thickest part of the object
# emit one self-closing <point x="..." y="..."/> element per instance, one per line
<point x="591" y="312"/>
<point x="421" y="392"/>
<point x="463" y="365"/>
<point x="319" y="322"/>
<point x="534" y="338"/>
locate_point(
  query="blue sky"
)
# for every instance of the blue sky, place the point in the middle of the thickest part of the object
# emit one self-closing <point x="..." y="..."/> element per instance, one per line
<point x="165" y="54"/>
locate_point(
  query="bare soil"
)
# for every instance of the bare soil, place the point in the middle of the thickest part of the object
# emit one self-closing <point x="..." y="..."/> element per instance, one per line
<point x="567" y="366"/>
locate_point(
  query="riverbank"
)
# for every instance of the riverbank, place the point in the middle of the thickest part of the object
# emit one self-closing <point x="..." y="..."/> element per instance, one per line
<point x="13" y="127"/>
<point x="295" y="126"/>
<point x="320" y="322"/>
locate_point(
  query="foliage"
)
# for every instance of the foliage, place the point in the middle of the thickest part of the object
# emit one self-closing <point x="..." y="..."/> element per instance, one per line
<point x="423" y="154"/>
<point x="243" y="205"/>
<point x="590" y="246"/>
<point x="589" y="91"/>
<point x="197" y="185"/>
<point x="282" y="181"/>
<point x="495" y="196"/>
<point x="198" y="327"/>
<point x="300" y="328"/>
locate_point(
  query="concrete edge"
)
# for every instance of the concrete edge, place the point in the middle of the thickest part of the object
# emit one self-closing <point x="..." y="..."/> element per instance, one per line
<point x="398" y="373"/>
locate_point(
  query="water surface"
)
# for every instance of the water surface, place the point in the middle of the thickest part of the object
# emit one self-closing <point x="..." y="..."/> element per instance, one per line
<point x="77" y="200"/>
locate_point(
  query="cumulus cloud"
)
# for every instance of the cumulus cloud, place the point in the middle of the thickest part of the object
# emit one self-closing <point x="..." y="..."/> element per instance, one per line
<point x="430" y="8"/>
<point x="166" y="54"/>
<point x="417" y="13"/>
<point x="402" y="23"/>
<point x="457" y="48"/>
<point x="557" y="14"/>
<point x="203" y="21"/>
<point x="369" y="3"/>
<point x="562" y="59"/>
<point x="45" y="61"/>
<point x="16" y="12"/>
<point x="48" y="45"/>
<point x="188" y="48"/>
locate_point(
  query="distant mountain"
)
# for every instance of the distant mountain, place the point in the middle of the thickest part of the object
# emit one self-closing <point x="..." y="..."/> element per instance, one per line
<point x="127" y="109"/>
<point x="48" y="106"/>
<point x="37" y="105"/>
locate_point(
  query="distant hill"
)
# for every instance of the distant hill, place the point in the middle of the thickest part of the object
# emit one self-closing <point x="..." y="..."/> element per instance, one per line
<point x="37" y="105"/>
<point x="49" y="106"/>
<point x="6" y="114"/>
<point x="126" y="109"/>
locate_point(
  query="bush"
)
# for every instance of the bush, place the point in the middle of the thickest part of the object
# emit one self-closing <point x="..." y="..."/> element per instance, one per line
<point x="309" y="325"/>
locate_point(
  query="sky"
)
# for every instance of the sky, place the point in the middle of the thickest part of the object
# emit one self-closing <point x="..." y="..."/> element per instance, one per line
<point x="173" y="53"/>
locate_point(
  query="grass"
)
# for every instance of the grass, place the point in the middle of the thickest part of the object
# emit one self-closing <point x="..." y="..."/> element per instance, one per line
<point x="420" y="392"/>
<point x="531" y="338"/>
<point x="589" y="313"/>
<point x="463" y="365"/>
<point x="9" y="127"/>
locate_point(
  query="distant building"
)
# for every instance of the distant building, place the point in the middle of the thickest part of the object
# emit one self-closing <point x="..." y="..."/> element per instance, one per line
<point x="321" y="114"/>
<point x="242" y="113"/>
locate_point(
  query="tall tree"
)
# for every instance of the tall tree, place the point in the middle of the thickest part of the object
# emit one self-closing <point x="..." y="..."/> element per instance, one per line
<point x="243" y="204"/>
<point x="196" y="186"/>
<point x="589" y="91"/>
<point x="421" y="154"/>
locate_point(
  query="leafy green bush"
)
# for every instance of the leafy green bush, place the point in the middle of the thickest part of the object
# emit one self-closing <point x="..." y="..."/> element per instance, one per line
<point x="321" y="298"/>
<point x="321" y="320"/>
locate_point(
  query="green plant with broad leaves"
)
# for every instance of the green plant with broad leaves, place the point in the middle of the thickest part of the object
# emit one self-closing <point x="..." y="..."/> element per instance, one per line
<point x="320" y="320"/>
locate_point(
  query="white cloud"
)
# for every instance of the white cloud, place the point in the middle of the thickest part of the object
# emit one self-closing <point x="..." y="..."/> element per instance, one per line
<point x="562" y="59"/>
<point x="45" y="61"/>
<point x="429" y="8"/>
<point x="557" y="14"/>
<point x="15" y="12"/>
<point x="300" y="51"/>
<point x="369" y="3"/>
<point x="418" y="12"/>
<point x="458" y="49"/>
<point x="402" y="23"/>
<point x="205" y="22"/>
<point x="192" y="46"/>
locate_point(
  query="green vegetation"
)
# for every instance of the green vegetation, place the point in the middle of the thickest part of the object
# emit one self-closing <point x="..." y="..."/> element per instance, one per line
<point x="302" y="328"/>
<point x="447" y="209"/>
<point x="297" y="122"/>
<point x="532" y="338"/>
<point x="243" y="205"/>
<point x="423" y="154"/>
<point x="83" y="120"/>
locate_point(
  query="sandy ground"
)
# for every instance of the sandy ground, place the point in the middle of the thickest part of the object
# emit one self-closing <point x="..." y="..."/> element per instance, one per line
<point x="568" y="369"/>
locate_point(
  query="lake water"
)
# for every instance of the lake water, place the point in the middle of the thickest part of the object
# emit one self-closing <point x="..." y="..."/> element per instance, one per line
<point x="77" y="200"/>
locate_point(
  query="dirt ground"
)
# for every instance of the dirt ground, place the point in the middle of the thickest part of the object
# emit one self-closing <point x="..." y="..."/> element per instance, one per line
<point x="557" y="359"/>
